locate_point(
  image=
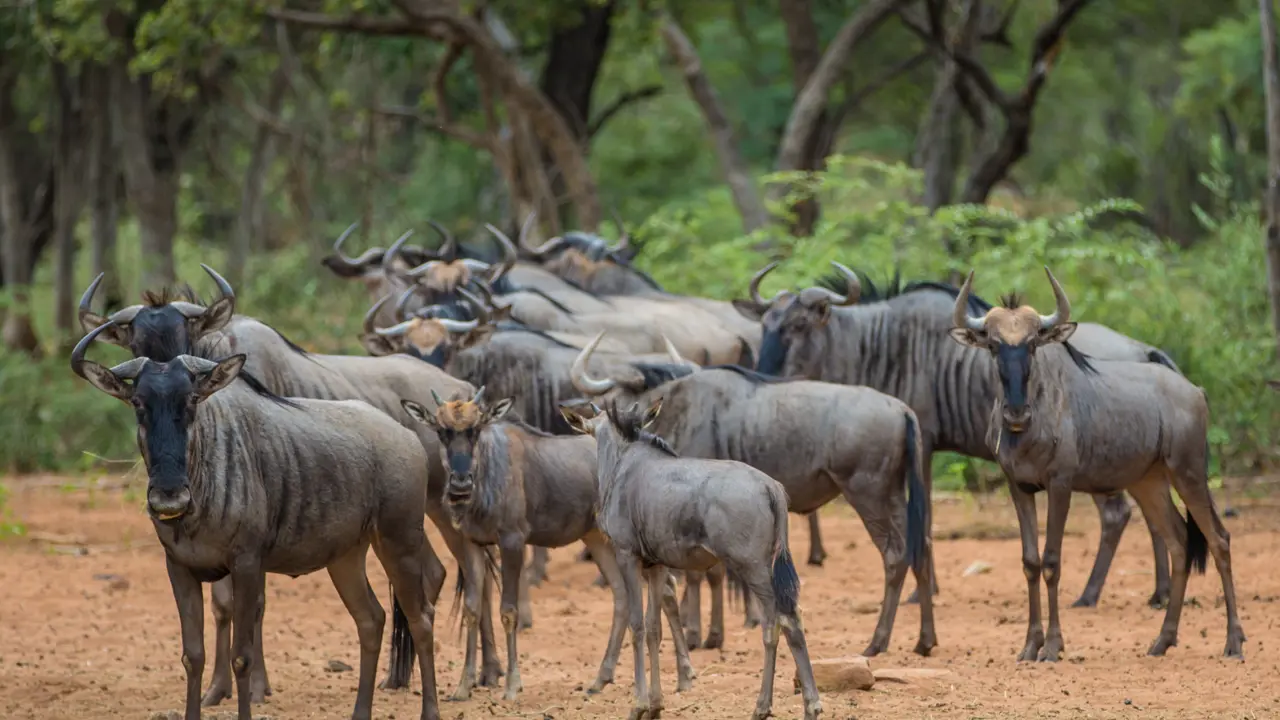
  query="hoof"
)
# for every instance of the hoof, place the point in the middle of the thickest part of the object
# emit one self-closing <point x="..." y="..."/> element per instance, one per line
<point x="874" y="649"/>
<point x="1051" y="652"/>
<point x="924" y="648"/>
<point x="693" y="639"/>
<point x="215" y="694"/>
<point x="817" y="559"/>
<point x="1158" y="600"/>
<point x="1162" y="645"/>
<point x="714" y="641"/>
<point x="1086" y="601"/>
<point x="489" y="676"/>
<point x="1031" y="651"/>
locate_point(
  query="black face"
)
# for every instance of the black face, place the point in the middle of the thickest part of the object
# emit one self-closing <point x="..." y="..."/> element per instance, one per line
<point x="1013" y="363"/>
<point x="459" y="447"/>
<point x="790" y="339"/>
<point x="160" y="333"/>
<point x="437" y="356"/>
<point x="164" y="401"/>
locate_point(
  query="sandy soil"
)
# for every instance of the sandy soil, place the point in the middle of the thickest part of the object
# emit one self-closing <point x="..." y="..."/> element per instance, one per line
<point x="75" y="645"/>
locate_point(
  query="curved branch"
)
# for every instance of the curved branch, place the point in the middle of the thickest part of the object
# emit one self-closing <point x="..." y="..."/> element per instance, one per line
<point x="627" y="98"/>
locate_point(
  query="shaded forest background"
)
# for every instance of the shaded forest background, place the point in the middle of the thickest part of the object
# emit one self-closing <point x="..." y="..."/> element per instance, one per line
<point x="1124" y="144"/>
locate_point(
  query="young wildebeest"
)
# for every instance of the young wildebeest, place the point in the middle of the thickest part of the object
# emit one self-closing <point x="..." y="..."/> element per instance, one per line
<point x="162" y="328"/>
<point x="666" y="511"/>
<point x="818" y="440"/>
<point x="898" y="345"/>
<point x="511" y="485"/>
<point x="1063" y="422"/>
<point x="242" y="482"/>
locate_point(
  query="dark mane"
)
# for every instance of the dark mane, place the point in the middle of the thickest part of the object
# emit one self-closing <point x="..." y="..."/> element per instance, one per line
<point x="515" y="326"/>
<point x="289" y="342"/>
<point x="1082" y="361"/>
<point x="251" y="381"/>
<point x="514" y="419"/>
<point x="627" y="423"/>
<point x="166" y="295"/>
<point x="1011" y="301"/>
<point x="752" y="376"/>
<point x="656" y="374"/>
<point x="871" y="293"/>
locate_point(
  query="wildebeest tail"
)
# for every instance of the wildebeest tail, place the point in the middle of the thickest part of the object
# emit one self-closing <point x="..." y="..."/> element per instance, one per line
<point x="400" y="671"/>
<point x="784" y="578"/>
<point x="1160" y="357"/>
<point x="917" y="499"/>
<point x="1197" y="545"/>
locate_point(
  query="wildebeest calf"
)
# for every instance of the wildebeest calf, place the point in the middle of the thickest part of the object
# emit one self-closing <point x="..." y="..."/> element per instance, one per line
<point x="242" y="482"/>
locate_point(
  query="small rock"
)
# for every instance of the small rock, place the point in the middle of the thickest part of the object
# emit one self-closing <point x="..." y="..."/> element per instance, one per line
<point x="979" y="567"/>
<point x="868" y="607"/>
<point x="337" y="666"/>
<point x="114" y="582"/>
<point x="903" y="675"/>
<point x="165" y="715"/>
<point x="1231" y="512"/>
<point x="843" y="674"/>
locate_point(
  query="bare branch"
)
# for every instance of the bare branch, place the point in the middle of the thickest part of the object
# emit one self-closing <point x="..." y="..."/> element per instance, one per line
<point x="363" y="24"/>
<point x="620" y="103"/>
<point x="438" y="80"/>
<point x="448" y="129"/>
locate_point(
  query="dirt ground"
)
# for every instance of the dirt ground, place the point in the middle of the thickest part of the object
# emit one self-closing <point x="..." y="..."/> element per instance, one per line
<point x="76" y="643"/>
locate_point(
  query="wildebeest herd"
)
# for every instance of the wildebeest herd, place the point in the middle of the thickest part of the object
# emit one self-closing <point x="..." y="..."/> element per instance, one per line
<point x="480" y="406"/>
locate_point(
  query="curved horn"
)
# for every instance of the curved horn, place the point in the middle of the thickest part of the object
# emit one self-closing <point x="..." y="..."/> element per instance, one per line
<point x="578" y="371"/>
<point x="356" y="262"/>
<point x="192" y="310"/>
<point x="1063" y="312"/>
<point x="449" y="248"/>
<point x="86" y="300"/>
<point x="436" y="397"/>
<point x="124" y="316"/>
<point x="394" y="250"/>
<point x="479" y="395"/>
<point x="478" y="308"/>
<point x="753" y="289"/>
<point x="624" y="237"/>
<point x="224" y="287"/>
<point x="509" y="249"/>
<point x="373" y="312"/>
<point x="853" y="289"/>
<point x="674" y="354"/>
<point x="960" y="317"/>
<point x="475" y="266"/>
<point x="77" y="353"/>
<point x="458" y="326"/>
<point x="395" y="330"/>
<point x="424" y="268"/>
<point x="196" y="365"/>
<point x="403" y="302"/>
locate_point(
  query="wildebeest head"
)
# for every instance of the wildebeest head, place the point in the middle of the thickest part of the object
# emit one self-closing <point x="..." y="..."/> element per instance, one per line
<point x="459" y="424"/>
<point x="429" y="334"/>
<point x="590" y="262"/>
<point x="616" y="426"/>
<point x="164" y="396"/>
<point x="793" y="341"/>
<point x="369" y="265"/>
<point x="161" y="328"/>
<point x="438" y="281"/>
<point x="615" y="388"/>
<point x="1012" y="334"/>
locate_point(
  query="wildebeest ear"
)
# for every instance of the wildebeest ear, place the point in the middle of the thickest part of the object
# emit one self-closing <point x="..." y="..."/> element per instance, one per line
<point x="215" y="318"/>
<point x="219" y="376"/>
<point x="376" y="345"/>
<point x="475" y="337"/>
<point x="116" y="334"/>
<point x="965" y="336"/>
<point x="749" y="310"/>
<point x="577" y="423"/>
<point x="651" y="414"/>
<point x="1056" y="334"/>
<point x="822" y="313"/>
<point x="106" y="381"/>
<point x="498" y="410"/>
<point x="419" y="413"/>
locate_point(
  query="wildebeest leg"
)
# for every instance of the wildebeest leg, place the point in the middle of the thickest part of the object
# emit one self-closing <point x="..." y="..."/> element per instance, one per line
<point x="816" y="552"/>
<point x="757" y="580"/>
<point x="1024" y="505"/>
<point x="1193" y="487"/>
<point x="684" y="665"/>
<point x="884" y="513"/>
<point x="630" y="570"/>
<point x="472" y="587"/>
<point x="1113" y="516"/>
<point x="926" y="467"/>
<point x="602" y="553"/>
<point x="524" y="607"/>
<point x="249" y="579"/>
<point x="691" y="609"/>
<point x="1152" y="495"/>
<point x="656" y="576"/>
<point x="189" y="596"/>
<point x="512" y="548"/>
<point x="222" y="596"/>
<point x="537" y="569"/>
<point x="715" y="581"/>
<point x="1160" y="551"/>
<point x="794" y="632"/>
<point x="404" y="556"/>
<point x="351" y="582"/>
<point x="1051" y="564"/>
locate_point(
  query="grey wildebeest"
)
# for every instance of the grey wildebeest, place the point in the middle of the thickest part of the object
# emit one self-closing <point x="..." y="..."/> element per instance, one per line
<point x="511" y="484"/>
<point x="241" y="482"/>
<point x="818" y="440"/>
<point x="1063" y="422"/>
<point x="660" y="510"/>
<point x="899" y="345"/>
<point x="162" y="328"/>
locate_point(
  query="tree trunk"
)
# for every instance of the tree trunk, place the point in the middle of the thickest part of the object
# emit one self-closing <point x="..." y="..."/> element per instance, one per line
<point x="735" y="168"/>
<point x="249" y="221"/>
<point x="805" y="49"/>
<point x="573" y="62"/>
<point x="1271" y="74"/>
<point x="69" y="151"/>
<point x="104" y="185"/>
<point x="938" y="145"/>
<point x="18" y="228"/>
<point x="807" y="111"/>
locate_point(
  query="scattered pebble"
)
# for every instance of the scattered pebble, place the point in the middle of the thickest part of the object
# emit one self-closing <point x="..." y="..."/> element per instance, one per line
<point x="337" y="666"/>
<point x="979" y="567"/>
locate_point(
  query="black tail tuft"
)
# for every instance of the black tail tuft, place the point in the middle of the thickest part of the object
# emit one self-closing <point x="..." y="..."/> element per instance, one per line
<point x="786" y="584"/>
<point x="917" y="501"/>
<point x="400" y="671"/>
<point x="1197" y="546"/>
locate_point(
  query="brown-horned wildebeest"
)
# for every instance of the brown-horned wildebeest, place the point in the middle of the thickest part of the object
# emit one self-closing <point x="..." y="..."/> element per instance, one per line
<point x="161" y="328"/>
<point x="1062" y="422"/>
<point x="818" y="440"/>
<point x="241" y="482"/>
<point x="898" y="345"/>
<point x="511" y="484"/>
<point x="660" y="510"/>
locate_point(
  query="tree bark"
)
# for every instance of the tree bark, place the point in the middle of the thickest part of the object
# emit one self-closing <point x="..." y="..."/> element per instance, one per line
<point x="938" y="145"/>
<point x="104" y="185"/>
<point x="68" y="153"/>
<point x="803" y="122"/>
<point x="1271" y="75"/>
<point x="805" y="49"/>
<point x="732" y="164"/>
<point x="249" y="221"/>
<point x="574" y="57"/>
<point x="22" y="218"/>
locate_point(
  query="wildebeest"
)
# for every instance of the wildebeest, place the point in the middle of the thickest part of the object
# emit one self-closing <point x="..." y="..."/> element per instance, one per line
<point x="899" y="345"/>
<point x="241" y="482"/>
<point x="666" y="511"/>
<point x="511" y="484"/>
<point x="1062" y="422"/>
<point x="818" y="440"/>
<point x="162" y="328"/>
